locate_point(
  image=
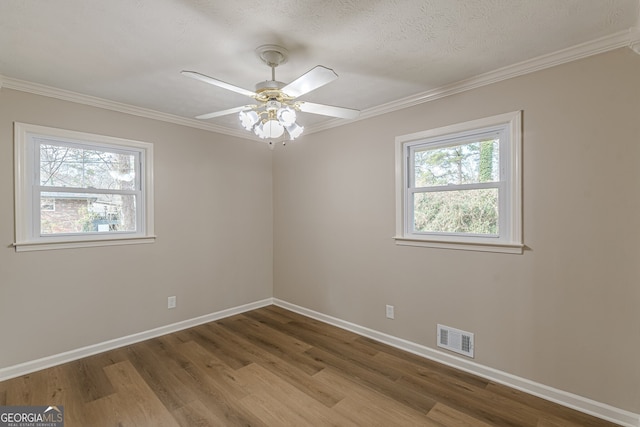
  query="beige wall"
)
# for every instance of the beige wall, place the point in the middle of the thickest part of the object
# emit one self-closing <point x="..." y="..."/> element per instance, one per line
<point x="566" y="313"/>
<point x="213" y="219"/>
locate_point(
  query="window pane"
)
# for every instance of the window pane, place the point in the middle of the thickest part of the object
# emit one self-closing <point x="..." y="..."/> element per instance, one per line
<point x="459" y="164"/>
<point x="47" y="204"/>
<point x="464" y="211"/>
<point x="62" y="166"/>
<point x="87" y="213"/>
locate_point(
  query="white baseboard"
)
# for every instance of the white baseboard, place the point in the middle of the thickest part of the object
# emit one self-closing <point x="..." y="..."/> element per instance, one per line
<point x="570" y="400"/>
<point x="68" y="356"/>
<point x="579" y="403"/>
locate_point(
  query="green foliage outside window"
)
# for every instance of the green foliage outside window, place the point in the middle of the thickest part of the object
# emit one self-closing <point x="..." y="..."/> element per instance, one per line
<point x="456" y="210"/>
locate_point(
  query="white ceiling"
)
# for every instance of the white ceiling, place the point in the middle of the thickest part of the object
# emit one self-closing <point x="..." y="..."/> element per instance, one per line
<point x="386" y="52"/>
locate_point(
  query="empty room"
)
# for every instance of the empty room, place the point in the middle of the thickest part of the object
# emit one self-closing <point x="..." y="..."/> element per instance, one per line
<point x="311" y="213"/>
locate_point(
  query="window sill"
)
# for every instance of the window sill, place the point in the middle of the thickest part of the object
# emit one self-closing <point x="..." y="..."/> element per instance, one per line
<point x="67" y="244"/>
<point x="507" y="248"/>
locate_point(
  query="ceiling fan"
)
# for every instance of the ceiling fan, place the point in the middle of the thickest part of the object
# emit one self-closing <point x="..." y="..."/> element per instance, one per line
<point x="277" y="104"/>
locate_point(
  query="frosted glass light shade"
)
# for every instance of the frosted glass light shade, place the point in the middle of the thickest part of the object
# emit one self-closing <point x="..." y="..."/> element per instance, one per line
<point x="269" y="129"/>
<point x="286" y="116"/>
<point x="294" y="130"/>
<point x="259" y="130"/>
<point x="273" y="129"/>
<point x="248" y="119"/>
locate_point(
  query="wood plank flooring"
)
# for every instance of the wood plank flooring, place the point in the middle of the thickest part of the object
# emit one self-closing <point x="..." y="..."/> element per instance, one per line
<point x="273" y="367"/>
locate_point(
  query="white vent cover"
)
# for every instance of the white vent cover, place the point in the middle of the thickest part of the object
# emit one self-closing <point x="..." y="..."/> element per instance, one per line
<point x="455" y="340"/>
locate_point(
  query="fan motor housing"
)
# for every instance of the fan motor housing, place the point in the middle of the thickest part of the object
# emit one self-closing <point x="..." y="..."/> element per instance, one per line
<point x="269" y="85"/>
<point x="270" y="89"/>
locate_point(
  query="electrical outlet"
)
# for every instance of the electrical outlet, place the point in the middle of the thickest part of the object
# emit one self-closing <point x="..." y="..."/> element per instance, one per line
<point x="390" y="313"/>
<point x="171" y="302"/>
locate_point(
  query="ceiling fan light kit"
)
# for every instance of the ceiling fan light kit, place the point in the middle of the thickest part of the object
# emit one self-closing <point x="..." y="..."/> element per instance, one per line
<point x="275" y="113"/>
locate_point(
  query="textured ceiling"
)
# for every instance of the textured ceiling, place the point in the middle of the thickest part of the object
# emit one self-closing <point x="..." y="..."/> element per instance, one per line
<point x="132" y="51"/>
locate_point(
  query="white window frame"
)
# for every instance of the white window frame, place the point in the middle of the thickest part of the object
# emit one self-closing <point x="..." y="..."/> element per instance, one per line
<point x="27" y="205"/>
<point x="509" y="240"/>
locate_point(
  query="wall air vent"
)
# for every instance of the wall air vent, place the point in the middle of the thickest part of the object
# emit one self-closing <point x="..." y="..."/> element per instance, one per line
<point x="455" y="340"/>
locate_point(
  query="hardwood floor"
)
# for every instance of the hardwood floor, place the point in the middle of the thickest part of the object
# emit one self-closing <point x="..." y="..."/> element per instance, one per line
<point x="272" y="367"/>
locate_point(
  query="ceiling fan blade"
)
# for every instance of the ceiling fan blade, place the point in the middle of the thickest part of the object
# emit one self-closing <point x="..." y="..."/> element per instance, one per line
<point x="219" y="83"/>
<point x="225" y="112"/>
<point x="311" y="80"/>
<point x="328" y="110"/>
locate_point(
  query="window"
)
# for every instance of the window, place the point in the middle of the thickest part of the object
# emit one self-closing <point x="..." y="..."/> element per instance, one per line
<point x="76" y="189"/>
<point x="459" y="186"/>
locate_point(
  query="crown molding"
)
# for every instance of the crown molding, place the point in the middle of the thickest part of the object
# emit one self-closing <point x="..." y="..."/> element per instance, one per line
<point x="584" y="50"/>
<point x="79" y="98"/>
<point x="634" y="38"/>
<point x="629" y="38"/>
